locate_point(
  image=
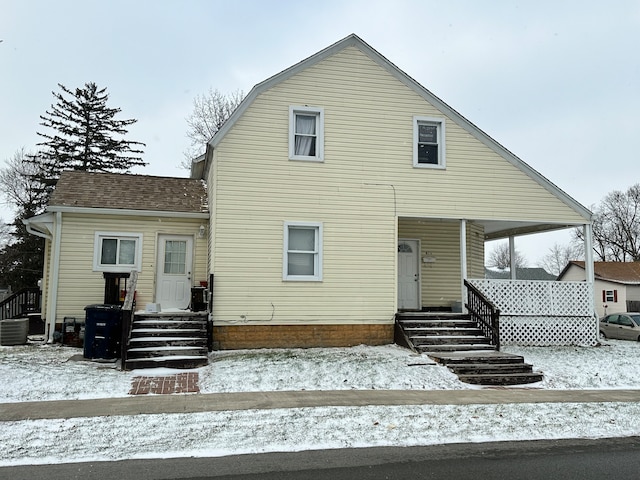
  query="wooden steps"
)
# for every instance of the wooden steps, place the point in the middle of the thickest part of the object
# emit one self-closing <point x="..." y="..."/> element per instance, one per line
<point x="170" y="340"/>
<point x="454" y="340"/>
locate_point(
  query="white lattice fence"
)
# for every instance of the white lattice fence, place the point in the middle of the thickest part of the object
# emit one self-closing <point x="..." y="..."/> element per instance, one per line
<point x="540" y="313"/>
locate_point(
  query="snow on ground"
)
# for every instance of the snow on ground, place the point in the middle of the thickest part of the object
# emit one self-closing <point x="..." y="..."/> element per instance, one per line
<point x="45" y="372"/>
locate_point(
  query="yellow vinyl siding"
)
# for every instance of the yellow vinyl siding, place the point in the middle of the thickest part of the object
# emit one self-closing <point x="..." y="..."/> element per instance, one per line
<point x="79" y="285"/>
<point x="440" y="280"/>
<point x="365" y="182"/>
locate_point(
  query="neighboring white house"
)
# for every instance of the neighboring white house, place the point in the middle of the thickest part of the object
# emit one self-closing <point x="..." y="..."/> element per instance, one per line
<point x="616" y="287"/>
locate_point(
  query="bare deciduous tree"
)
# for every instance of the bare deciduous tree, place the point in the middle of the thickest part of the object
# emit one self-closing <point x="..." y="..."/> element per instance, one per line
<point x="21" y="188"/>
<point x="210" y="111"/>
<point x="616" y="226"/>
<point x="500" y="257"/>
<point x="559" y="256"/>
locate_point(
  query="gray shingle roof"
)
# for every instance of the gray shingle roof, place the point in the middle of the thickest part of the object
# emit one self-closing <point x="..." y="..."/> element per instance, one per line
<point x="129" y="192"/>
<point x="523" y="273"/>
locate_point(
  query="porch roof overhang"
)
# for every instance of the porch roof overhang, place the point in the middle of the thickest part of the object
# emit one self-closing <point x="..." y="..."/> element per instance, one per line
<point x="498" y="229"/>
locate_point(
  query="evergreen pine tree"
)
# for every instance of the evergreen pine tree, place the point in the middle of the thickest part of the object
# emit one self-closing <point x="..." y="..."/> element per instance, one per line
<point x="85" y="135"/>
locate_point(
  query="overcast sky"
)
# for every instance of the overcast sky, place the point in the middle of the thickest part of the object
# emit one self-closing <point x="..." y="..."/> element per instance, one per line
<point x="557" y="83"/>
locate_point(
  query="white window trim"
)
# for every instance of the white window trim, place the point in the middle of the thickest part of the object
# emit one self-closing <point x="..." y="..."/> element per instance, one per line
<point x="442" y="157"/>
<point x="318" y="257"/>
<point x="319" y="113"/>
<point x="97" y="251"/>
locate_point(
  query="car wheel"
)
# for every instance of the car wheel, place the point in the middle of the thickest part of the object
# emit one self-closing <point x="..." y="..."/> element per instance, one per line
<point x="605" y="337"/>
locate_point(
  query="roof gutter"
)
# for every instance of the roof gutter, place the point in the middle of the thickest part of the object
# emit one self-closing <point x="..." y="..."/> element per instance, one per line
<point x="119" y="211"/>
<point x="41" y="229"/>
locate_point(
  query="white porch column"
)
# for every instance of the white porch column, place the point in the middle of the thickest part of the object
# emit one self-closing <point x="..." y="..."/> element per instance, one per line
<point x="588" y="253"/>
<point x="512" y="257"/>
<point x="463" y="260"/>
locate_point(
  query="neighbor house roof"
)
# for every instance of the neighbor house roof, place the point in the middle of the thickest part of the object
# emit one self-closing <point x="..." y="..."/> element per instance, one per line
<point x="201" y="165"/>
<point x="116" y="191"/>
<point x="524" y="273"/>
<point x="618" y="272"/>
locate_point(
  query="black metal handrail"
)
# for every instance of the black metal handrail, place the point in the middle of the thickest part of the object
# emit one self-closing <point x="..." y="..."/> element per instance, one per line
<point x="21" y="303"/>
<point x="128" y="308"/>
<point x="484" y="313"/>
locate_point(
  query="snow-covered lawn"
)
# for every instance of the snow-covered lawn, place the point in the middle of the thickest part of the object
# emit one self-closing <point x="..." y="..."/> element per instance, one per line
<point x="43" y="372"/>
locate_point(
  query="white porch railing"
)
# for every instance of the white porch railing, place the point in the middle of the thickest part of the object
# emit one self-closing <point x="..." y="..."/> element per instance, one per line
<point x="542" y="313"/>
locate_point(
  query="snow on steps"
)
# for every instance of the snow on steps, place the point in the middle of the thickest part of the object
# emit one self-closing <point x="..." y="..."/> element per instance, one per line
<point x="455" y="340"/>
<point x="168" y="340"/>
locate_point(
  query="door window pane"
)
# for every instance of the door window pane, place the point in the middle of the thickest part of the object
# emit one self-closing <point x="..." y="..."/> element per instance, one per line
<point x="175" y="256"/>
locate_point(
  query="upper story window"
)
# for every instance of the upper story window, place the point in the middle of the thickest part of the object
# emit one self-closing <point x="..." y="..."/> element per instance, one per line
<point x="306" y="133"/>
<point x="302" y="259"/>
<point x="117" y="252"/>
<point x="428" y="142"/>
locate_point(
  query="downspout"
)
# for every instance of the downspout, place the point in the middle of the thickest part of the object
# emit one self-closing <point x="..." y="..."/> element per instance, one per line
<point x="463" y="260"/>
<point x="53" y="290"/>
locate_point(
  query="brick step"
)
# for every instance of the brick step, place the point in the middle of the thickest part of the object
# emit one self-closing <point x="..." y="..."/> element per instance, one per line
<point x="502" y="379"/>
<point x="489" y="368"/>
<point x="193" y="361"/>
<point x="419" y="340"/>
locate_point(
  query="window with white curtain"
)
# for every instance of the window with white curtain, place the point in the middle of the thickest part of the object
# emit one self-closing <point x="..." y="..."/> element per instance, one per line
<point x="428" y="142"/>
<point x="306" y="133"/>
<point x="302" y="256"/>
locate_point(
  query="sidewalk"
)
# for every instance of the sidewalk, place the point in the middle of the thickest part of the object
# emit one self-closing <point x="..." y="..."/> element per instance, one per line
<point x="191" y="403"/>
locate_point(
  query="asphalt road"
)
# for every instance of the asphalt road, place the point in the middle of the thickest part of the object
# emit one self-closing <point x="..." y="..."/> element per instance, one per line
<point x="617" y="458"/>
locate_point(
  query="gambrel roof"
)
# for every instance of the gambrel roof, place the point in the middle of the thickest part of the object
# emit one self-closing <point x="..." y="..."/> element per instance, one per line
<point x="493" y="229"/>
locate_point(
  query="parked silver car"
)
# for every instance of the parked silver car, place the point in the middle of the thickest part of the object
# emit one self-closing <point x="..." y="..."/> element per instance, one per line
<point x="624" y="326"/>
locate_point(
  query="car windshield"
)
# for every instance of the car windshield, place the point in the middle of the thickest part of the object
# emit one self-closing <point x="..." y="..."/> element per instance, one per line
<point x="636" y="319"/>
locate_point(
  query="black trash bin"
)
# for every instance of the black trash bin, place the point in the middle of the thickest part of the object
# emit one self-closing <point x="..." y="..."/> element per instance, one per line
<point x="102" y="331"/>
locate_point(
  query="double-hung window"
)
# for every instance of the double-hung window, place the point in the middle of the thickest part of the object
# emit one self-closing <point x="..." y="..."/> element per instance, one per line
<point x="610" y="296"/>
<point x="302" y="256"/>
<point x="306" y="133"/>
<point x="428" y="142"/>
<point x="117" y="252"/>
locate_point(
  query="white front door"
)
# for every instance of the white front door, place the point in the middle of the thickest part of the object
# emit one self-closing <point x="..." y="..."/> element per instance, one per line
<point x="408" y="275"/>
<point x="173" y="282"/>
